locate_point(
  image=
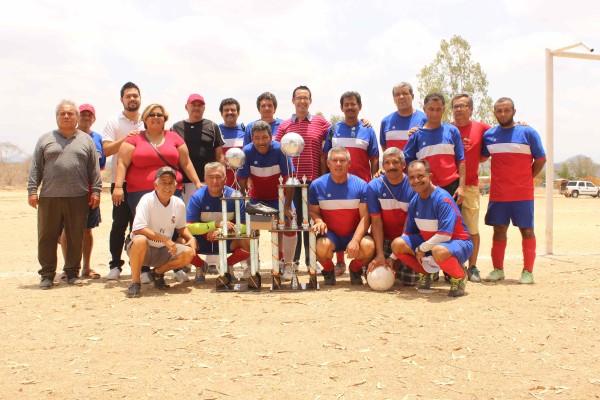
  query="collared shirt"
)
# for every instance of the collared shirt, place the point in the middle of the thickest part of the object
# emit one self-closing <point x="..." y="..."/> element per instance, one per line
<point x="116" y="129"/>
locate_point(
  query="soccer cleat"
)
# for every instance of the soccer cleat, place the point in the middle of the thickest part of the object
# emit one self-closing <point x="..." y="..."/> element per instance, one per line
<point x="328" y="278"/>
<point x="356" y="277"/>
<point x="200" y="274"/>
<point x="158" y="279"/>
<point x="181" y="276"/>
<point x="260" y="209"/>
<point x="46" y="283"/>
<point x="340" y="268"/>
<point x="134" y="290"/>
<point x="473" y="274"/>
<point x="526" y="277"/>
<point x="113" y="274"/>
<point x="495" y="276"/>
<point x="457" y="286"/>
<point x="425" y="283"/>
<point x="145" y="278"/>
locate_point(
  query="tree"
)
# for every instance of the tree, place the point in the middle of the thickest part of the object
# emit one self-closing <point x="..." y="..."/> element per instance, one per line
<point x="453" y="72"/>
<point x="582" y="166"/>
<point x="564" y="171"/>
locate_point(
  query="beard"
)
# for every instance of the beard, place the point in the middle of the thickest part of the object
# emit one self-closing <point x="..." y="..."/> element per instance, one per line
<point x="508" y="123"/>
<point x="130" y="107"/>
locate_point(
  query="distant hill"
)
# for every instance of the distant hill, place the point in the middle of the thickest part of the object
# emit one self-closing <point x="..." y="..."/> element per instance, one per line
<point x="10" y="153"/>
<point x="579" y="164"/>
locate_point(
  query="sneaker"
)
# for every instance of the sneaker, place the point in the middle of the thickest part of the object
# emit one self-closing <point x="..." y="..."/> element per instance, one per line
<point x="46" y="283"/>
<point x="328" y="278"/>
<point x="200" y="274"/>
<point x="75" y="280"/>
<point x="145" y="278"/>
<point x="457" y="286"/>
<point x="473" y="274"/>
<point x="113" y="274"/>
<point x="134" y="290"/>
<point x="340" y="268"/>
<point x="158" y="279"/>
<point x="212" y="270"/>
<point x="187" y="269"/>
<point x="181" y="276"/>
<point x="425" y="283"/>
<point x="495" y="275"/>
<point x="526" y="277"/>
<point x="356" y="278"/>
<point x="60" y="277"/>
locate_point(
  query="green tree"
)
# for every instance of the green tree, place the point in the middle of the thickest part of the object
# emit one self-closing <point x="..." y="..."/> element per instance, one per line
<point x="582" y="166"/>
<point x="453" y="72"/>
<point x="564" y="171"/>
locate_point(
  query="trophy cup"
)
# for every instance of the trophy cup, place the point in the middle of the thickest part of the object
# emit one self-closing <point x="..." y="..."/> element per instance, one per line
<point x="292" y="145"/>
<point x="238" y="272"/>
<point x="235" y="159"/>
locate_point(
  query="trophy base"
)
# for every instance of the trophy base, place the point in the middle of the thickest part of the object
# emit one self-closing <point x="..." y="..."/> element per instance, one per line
<point x="250" y="284"/>
<point x="278" y="286"/>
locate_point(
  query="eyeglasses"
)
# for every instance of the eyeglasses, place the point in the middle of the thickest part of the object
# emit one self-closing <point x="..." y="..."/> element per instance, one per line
<point x="156" y="115"/>
<point x="302" y="98"/>
<point x="459" y="106"/>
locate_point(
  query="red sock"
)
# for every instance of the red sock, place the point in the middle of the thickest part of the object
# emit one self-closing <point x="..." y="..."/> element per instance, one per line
<point x="328" y="266"/>
<point x="498" y="250"/>
<point x="281" y="255"/>
<point x="238" y="255"/>
<point x="528" y="253"/>
<point x="356" y="265"/>
<point x="451" y="266"/>
<point x="412" y="262"/>
<point x="339" y="256"/>
<point x="197" y="261"/>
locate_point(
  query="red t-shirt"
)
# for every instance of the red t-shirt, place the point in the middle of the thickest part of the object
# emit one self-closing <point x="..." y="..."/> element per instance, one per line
<point x="141" y="173"/>
<point x="471" y="135"/>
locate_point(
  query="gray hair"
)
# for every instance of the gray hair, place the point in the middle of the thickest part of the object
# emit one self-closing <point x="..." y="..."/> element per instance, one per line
<point x="401" y="85"/>
<point x="394" y="151"/>
<point x="338" y="149"/>
<point x="261" y="126"/>
<point x="68" y="102"/>
<point x="214" y="165"/>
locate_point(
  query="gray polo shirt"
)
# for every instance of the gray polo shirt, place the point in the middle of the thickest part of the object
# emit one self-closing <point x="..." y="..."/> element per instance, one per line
<point x="65" y="167"/>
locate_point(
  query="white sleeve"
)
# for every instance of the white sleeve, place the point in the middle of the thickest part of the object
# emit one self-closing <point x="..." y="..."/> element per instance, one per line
<point x="435" y="239"/>
<point x="180" y="214"/>
<point x="110" y="131"/>
<point x="142" y="214"/>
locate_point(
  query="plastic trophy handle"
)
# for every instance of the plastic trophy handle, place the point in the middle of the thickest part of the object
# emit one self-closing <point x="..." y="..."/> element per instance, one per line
<point x="254" y="256"/>
<point x="224" y="225"/>
<point x="275" y="252"/>
<point x="312" y="257"/>
<point x="222" y="257"/>
<point x="281" y="207"/>
<point x="305" y="202"/>
<point x="238" y="217"/>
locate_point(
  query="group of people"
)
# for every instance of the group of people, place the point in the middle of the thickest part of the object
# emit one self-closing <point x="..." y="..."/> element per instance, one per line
<point x="417" y="214"/>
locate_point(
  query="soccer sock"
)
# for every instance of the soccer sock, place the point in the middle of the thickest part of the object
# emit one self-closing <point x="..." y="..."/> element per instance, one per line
<point x="451" y="266"/>
<point x="197" y="262"/>
<point x="339" y="256"/>
<point x="289" y="246"/>
<point x="356" y="265"/>
<point x="328" y="266"/>
<point x="528" y="253"/>
<point x="498" y="250"/>
<point x="412" y="262"/>
<point x="238" y="255"/>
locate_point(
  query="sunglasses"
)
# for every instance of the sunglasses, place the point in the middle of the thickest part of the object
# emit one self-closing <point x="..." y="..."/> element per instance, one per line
<point x="156" y="115"/>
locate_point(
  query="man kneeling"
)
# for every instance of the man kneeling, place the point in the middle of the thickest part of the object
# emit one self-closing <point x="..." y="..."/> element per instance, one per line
<point x="157" y="216"/>
<point x="435" y="234"/>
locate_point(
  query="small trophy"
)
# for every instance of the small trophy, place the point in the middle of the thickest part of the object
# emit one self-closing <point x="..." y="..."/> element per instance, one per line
<point x="281" y="224"/>
<point x="305" y="224"/>
<point x="235" y="159"/>
<point x="294" y="223"/>
<point x="292" y="145"/>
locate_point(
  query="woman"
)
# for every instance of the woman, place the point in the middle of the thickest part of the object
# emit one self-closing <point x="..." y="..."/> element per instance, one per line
<point x="140" y="155"/>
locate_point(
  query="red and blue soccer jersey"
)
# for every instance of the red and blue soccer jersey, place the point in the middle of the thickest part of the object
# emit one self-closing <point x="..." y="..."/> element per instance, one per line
<point x="437" y="214"/>
<point x="339" y="202"/>
<point x="205" y="208"/>
<point x="361" y="142"/>
<point x="391" y="203"/>
<point x="513" y="151"/>
<point x="394" y="128"/>
<point x="274" y="126"/>
<point x="233" y="137"/>
<point x="265" y="170"/>
<point x="441" y="147"/>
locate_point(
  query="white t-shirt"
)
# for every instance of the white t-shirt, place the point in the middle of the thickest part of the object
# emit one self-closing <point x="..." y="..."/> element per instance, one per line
<point x="116" y="129"/>
<point x="151" y="213"/>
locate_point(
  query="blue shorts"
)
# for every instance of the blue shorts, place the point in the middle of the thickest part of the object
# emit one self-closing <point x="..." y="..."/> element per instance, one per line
<point x="460" y="249"/>
<point x="340" y="242"/>
<point x="94" y="218"/>
<point x="502" y="212"/>
<point x="206" y="247"/>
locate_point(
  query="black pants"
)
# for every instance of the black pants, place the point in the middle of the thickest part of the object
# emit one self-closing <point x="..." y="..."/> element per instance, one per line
<point x="122" y="218"/>
<point x="451" y="188"/>
<point x="302" y="236"/>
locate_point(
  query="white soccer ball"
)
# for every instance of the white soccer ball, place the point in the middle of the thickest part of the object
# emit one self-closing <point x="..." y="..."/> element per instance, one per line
<point x="381" y="278"/>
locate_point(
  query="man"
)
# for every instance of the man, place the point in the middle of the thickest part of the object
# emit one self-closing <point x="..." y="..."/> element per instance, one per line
<point x="267" y="106"/>
<point x="337" y="203"/>
<point x="157" y="216"/>
<point x="265" y="164"/>
<point x="203" y="139"/>
<point x="441" y="146"/>
<point x="395" y="127"/>
<point x="471" y="133"/>
<point x="205" y="221"/>
<point x="87" y="117"/>
<point x="313" y="129"/>
<point x="127" y="123"/>
<point x="517" y="157"/>
<point x="435" y="234"/>
<point x="233" y="134"/>
<point x="65" y="163"/>
<point x="388" y="197"/>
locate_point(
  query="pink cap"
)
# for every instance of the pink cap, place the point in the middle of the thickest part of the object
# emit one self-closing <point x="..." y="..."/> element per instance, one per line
<point x="195" y="97"/>
<point x="87" y="107"/>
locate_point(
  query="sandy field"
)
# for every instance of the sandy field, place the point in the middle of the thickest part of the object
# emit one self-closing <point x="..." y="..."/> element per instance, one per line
<point x="500" y="341"/>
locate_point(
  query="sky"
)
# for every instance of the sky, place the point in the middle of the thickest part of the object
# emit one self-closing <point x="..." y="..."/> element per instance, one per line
<point x="85" y="51"/>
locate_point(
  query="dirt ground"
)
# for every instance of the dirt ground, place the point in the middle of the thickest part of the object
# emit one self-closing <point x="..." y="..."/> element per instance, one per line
<point x="500" y="341"/>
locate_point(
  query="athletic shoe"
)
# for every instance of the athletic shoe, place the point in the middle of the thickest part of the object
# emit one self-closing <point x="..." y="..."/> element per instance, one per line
<point x="200" y="274"/>
<point x="74" y="280"/>
<point x="212" y="270"/>
<point x="425" y="283"/>
<point x="457" y="286"/>
<point x="495" y="275"/>
<point x="526" y="277"/>
<point x="134" y="290"/>
<point x="260" y="209"/>
<point x="46" y="283"/>
<point x="356" y="278"/>
<point x="145" y="278"/>
<point x="340" y="268"/>
<point x="181" y="276"/>
<point x="158" y="279"/>
<point x="473" y="274"/>
<point x="60" y="277"/>
<point x="328" y="278"/>
<point x="113" y="274"/>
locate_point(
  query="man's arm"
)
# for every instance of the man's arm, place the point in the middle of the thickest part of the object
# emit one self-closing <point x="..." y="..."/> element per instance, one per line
<point x="323" y="164"/>
<point x="314" y="213"/>
<point x="35" y="175"/>
<point x="374" y="166"/>
<point x="377" y="232"/>
<point x="459" y="195"/>
<point x="361" y="230"/>
<point x="537" y="166"/>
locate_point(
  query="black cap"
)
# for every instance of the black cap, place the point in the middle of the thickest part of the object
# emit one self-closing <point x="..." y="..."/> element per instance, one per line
<point x="165" y="170"/>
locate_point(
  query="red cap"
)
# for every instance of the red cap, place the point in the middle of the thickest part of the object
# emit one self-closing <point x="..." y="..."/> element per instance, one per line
<point x="195" y="97"/>
<point x="87" y="107"/>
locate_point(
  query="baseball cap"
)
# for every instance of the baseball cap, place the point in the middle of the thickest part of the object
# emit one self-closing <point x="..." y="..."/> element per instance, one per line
<point x="165" y="170"/>
<point x="87" y="107"/>
<point x="195" y="97"/>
